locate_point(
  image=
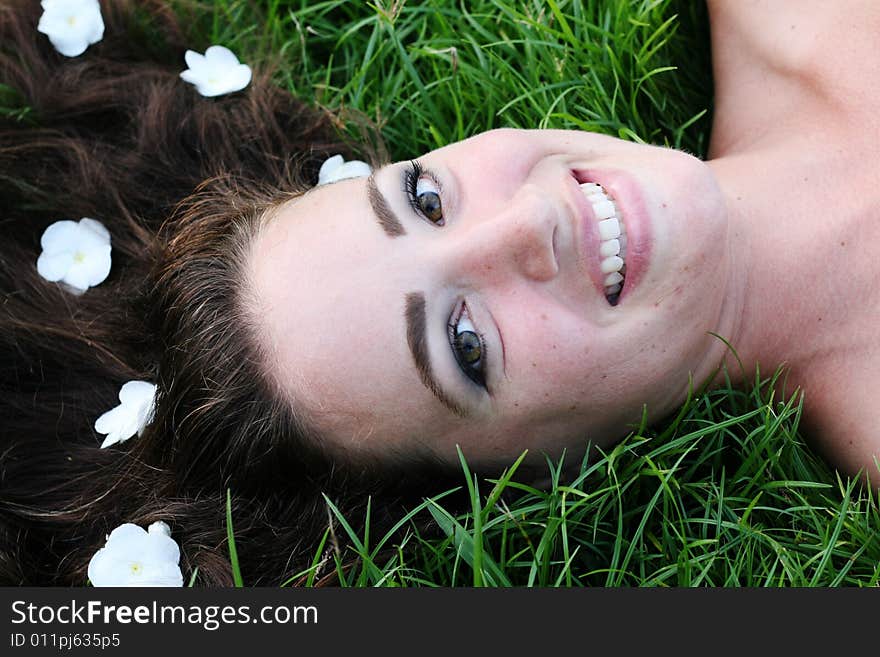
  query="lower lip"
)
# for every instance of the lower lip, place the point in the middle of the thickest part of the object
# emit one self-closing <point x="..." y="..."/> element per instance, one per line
<point x="628" y="197"/>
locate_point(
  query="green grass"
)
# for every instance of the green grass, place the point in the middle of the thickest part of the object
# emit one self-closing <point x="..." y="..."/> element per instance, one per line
<point x="724" y="494"/>
<point x="727" y="493"/>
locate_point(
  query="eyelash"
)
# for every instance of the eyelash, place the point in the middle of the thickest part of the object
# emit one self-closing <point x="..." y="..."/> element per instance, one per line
<point x="411" y="177"/>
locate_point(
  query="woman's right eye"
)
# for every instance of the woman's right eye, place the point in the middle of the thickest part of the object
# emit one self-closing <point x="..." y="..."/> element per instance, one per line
<point x="424" y="194"/>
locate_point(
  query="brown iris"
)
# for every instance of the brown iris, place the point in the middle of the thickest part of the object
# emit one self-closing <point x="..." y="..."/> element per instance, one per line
<point x="429" y="203"/>
<point x="467" y="344"/>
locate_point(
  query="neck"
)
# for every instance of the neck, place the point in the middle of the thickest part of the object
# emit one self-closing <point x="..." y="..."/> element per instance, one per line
<point x="800" y="185"/>
<point x="801" y="211"/>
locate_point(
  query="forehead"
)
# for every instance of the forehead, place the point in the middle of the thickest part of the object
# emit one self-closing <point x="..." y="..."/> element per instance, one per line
<point x="331" y="309"/>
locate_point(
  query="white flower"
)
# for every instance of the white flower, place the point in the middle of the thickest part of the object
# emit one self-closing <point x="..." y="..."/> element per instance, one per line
<point x="217" y="72"/>
<point x="335" y="168"/>
<point x="134" y="413"/>
<point x="71" y="25"/>
<point x="76" y="253"/>
<point x="135" y="557"/>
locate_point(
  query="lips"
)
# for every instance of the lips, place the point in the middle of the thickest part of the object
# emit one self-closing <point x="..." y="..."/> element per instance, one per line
<point x="612" y="236"/>
<point x="627" y="206"/>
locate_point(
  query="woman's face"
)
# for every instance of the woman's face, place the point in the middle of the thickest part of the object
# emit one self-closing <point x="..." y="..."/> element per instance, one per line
<point x="462" y="301"/>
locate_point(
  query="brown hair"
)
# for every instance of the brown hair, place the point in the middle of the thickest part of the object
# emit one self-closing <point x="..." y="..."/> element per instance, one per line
<point x="181" y="182"/>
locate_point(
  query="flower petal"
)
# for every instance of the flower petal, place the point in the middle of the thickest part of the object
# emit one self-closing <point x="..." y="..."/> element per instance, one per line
<point x="94" y="226"/>
<point x="195" y="61"/>
<point x="98" y="567"/>
<point x="159" y="527"/>
<point x="54" y="266"/>
<point x="216" y="72"/>
<point x="164" y="574"/>
<point x="135" y="557"/>
<point x="336" y="168"/>
<point x="221" y="56"/>
<point x="161" y="548"/>
<point x="95" y="267"/>
<point x="77" y="276"/>
<point x="327" y="168"/>
<point x="72" y="25"/>
<point x="96" y="24"/>
<point x="190" y="76"/>
<point x="126" y="535"/>
<point x="119" y="423"/>
<point x="138" y="394"/>
<point x="59" y="236"/>
<point x="353" y="169"/>
<point x="238" y="78"/>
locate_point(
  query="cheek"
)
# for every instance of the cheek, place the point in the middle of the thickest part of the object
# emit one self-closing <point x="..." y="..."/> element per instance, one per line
<point x="558" y="365"/>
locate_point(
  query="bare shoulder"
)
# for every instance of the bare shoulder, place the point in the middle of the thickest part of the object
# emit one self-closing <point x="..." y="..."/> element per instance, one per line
<point x="798" y="36"/>
<point x="842" y="413"/>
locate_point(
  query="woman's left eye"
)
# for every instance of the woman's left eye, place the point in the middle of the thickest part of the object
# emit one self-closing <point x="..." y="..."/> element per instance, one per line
<point x="468" y="347"/>
<point x="424" y="194"/>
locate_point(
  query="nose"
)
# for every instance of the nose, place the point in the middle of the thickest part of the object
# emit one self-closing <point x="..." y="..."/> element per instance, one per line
<point x="515" y="237"/>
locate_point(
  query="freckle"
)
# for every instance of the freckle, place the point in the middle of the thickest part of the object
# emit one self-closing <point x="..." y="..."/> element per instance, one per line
<point x="604" y="376"/>
<point x="534" y="364"/>
<point x="516" y="404"/>
<point x="546" y="394"/>
<point x="573" y="407"/>
<point x="820" y="319"/>
<point x="686" y="268"/>
<point x="843" y="244"/>
<point x="544" y="317"/>
<point x="663" y="205"/>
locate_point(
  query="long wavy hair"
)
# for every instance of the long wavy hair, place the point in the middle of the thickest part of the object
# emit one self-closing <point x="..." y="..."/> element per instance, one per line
<point x="182" y="183"/>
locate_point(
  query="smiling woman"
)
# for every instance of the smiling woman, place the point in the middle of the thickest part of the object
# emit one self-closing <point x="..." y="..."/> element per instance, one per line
<point x="300" y="329"/>
<point x="483" y="311"/>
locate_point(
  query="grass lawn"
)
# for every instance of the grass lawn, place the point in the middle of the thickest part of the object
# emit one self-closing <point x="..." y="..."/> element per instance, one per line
<point x="726" y="493"/>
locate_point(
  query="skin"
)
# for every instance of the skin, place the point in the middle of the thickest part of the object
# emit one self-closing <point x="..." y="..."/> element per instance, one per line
<point x="738" y="246"/>
<point x="563" y="366"/>
<point x="799" y="170"/>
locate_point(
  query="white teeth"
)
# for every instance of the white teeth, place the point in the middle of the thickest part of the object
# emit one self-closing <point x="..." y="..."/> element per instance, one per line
<point x="604" y="209"/>
<point x="612" y="236"/>
<point x="609" y="229"/>
<point x="609" y="248"/>
<point x="614" y="263"/>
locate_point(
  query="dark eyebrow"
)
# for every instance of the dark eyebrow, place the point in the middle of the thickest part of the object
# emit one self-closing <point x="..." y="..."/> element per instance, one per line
<point x="384" y="214"/>
<point x="418" y="345"/>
